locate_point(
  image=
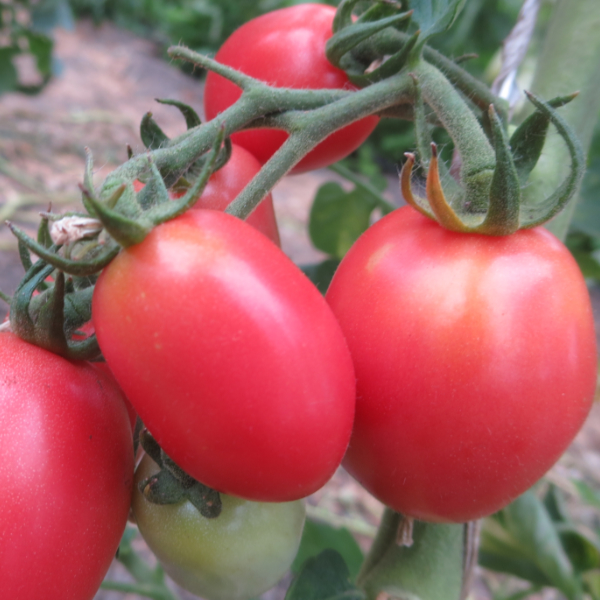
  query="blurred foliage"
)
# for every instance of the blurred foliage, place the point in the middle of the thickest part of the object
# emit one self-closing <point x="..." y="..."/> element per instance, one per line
<point x="536" y="540"/>
<point x="202" y="25"/>
<point x="584" y="236"/>
<point x="26" y="45"/>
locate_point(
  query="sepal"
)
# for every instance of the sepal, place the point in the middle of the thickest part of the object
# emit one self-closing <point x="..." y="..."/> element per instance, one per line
<point x="189" y="114"/>
<point x="351" y="36"/>
<point x="153" y="137"/>
<point x="172" y="484"/>
<point x="124" y="230"/>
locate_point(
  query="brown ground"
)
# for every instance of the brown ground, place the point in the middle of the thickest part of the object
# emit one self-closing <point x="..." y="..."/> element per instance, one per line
<point x="109" y="80"/>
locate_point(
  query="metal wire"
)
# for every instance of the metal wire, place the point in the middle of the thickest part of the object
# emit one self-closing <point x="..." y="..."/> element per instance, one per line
<point x="514" y="49"/>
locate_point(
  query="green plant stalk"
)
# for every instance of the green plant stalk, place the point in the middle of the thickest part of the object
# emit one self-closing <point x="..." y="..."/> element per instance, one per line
<point x="430" y="569"/>
<point x="257" y="101"/>
<point x="477" y="92"/>
<point x="570" y="61"/>
<point x="307" y="129"/>
<point x="477" y="154"/>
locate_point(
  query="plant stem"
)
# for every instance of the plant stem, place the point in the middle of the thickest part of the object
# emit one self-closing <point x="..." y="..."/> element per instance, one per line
<point x="310" y="128"/>
<point x="477" y="154"/>
<point x="429" y="569"/>
<point x="570" y="61"/>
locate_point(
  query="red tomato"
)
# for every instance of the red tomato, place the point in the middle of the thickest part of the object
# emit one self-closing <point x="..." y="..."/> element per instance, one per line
<point x="475" y="359"/>
<point x="131" y="414"/>
<point x="285" y="48"/>
<point x="224" y="186"/>
<point x="85" y="331"/>
<point x="66" y="466"/>
<point x="230" y="356"/>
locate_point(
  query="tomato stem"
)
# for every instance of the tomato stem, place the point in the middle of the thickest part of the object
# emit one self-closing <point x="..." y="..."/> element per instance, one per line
<point x="431" y="568"/>
<point x="308" y="129"/>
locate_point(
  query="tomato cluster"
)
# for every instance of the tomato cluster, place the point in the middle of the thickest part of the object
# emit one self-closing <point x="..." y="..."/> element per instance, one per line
<point x="448" y="371"/>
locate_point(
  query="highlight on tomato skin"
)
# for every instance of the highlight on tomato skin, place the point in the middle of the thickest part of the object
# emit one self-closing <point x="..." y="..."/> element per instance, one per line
<point x="66" y="465"/>
<point x="231" y="357"/>
<point x="475" y="359"/>
<point x="224" y="186"/>
<point x="238" y="555"/>
<point x="285" y="48"/>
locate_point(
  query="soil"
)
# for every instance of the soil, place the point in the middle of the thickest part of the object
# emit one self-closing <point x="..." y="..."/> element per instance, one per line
<point x="108" y="81"/>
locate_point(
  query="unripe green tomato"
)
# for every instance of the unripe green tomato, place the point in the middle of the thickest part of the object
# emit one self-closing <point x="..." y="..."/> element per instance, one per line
<point x="238" y="555"/>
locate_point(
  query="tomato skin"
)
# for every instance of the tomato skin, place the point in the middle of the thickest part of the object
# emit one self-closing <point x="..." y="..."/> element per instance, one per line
<point x="475" y="359"/>
<point x="230" y="356"/>
<point x="238" y="555"/>
<point x="285" y="48"/>
<point x="131" y="414"/>
<point x="66" y="465"/>
<point x="224" y="186"/>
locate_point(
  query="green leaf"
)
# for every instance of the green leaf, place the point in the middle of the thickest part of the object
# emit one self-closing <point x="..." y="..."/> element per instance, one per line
<point x="9" y="78"/>
<point x="324" y="577"/>
<point x="589" y="266"/>
<point x="321" y="273"/>
<point x="498" y="551"/>
<point x="583" y="551"/>
<point x="527" y="142"/>
<point x="434" y="16"/>
<point x="591" y="582"/>
<point x="40" y="45"/>
<point x="320" y="536"/>
<point x="587" y="211"/>
<point x="587" y="494"/>
<point x="554" y="501"/>
<point x="529" y="524"/>
<point x="152" y="135"/>
<point x="189" y="114"/>
<point x="338" y="218"/>
<point x="43" y="234"/>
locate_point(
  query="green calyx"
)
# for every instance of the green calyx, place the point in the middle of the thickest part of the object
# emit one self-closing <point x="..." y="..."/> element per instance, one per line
<point x="54" y="298"/>
<point x="502" y="212"/>
<point x="51" y="318"/>
<point x="172" y="485"/>
<point x="343" y="49"/>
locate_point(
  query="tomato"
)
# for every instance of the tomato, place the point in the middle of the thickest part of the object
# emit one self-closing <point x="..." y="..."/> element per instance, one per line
<point x="238" y="555"/>
<point x="285" y="48"/>
<point x="66" y="466"/>
<point x="131" y="414"/>
<point x="85" y="331"/>
<point x="224" y="186"/>
<point x="232" y="359"/>
<point x="475" y="359"/>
